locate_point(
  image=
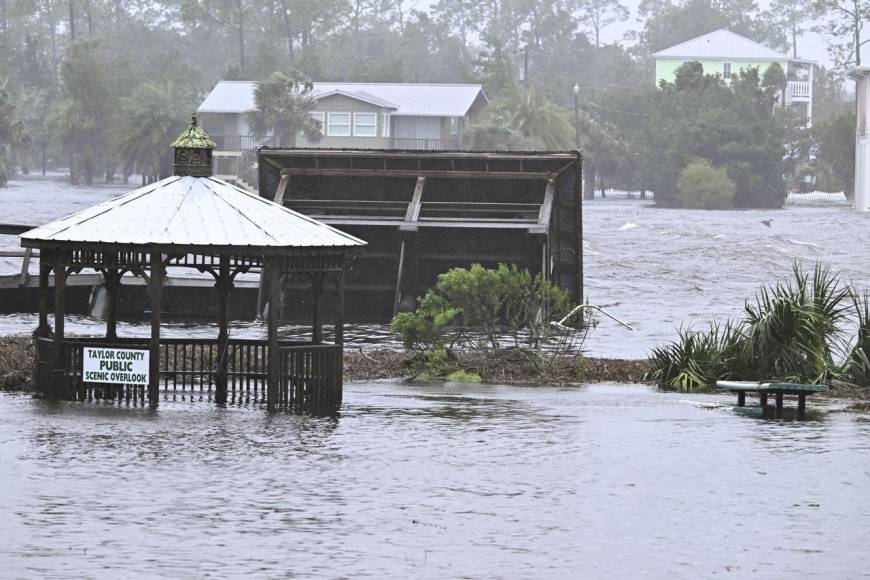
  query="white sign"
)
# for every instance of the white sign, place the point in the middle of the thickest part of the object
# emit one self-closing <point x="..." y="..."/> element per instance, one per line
<point x="115" y="365"/>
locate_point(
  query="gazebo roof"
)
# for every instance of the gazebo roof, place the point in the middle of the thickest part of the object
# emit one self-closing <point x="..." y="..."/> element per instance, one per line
<point x="192" y="213"/>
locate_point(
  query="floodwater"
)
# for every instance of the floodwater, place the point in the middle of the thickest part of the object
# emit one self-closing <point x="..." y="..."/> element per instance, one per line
<point x="657" y="269"/>
<point x="446" y="481"/>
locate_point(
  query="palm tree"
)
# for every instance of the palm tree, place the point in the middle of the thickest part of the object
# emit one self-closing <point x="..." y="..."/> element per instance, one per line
<point x="536" y="118"/>
<point x="283" y="109"/>
<point x="150" y="119"/>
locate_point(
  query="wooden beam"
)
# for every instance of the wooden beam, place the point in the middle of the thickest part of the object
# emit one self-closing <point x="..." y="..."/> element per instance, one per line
<point x="331" y="172"/>
<point x="413" y="213"/>
<point x="398" y="294"/>
<point x="25" y="266"/>
<point x="274" y="369"/>
<point x="224" y="284"/>
<point x="424" y="154"/>
<point x="547" y="207"/>
<point x="282" y="188"/>
<point x="43" y="330"/>
<point x="14" y="229"/>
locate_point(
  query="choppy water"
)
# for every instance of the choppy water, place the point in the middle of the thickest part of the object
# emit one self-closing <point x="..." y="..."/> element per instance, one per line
<point x="453" y="481"/>
<point x="655" y="268"/>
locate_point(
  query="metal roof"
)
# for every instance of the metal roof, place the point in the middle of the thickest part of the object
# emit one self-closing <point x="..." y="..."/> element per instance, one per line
<point x="724" y="44"/>
<point x="418" y="100"/>
<point x="192" y="211"/>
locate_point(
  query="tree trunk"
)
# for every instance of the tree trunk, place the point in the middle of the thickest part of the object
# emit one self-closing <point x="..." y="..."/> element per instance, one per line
<point x="89" y="17"/>
<point x="288" y="30"/>
<point x="241" y="37"/>
<point x="72" y="20"/>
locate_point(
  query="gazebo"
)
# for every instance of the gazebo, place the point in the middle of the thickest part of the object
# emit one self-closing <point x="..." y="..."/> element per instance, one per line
<point x="192" y="220"/>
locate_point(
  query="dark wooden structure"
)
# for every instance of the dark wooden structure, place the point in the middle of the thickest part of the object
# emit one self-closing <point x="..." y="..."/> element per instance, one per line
<point x="192" y="221"/>
<point x="423" y="212"/>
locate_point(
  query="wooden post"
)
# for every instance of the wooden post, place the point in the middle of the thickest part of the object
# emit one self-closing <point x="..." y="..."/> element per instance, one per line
<point x="741" y="399"/>
<point x="224" y="284"/>
<point x="43" y="330"/>
<point x="274" y="370"/>
<point x="112" y="278"/>
<point x="155" y="290"/>
<point x="316" y="307"/>
<point x="779" y="405"/>
<point x="59" y="296"/>
<point x="339" y="310"/>
<point x="802" y="405"/>
<point x="762" y="401"/>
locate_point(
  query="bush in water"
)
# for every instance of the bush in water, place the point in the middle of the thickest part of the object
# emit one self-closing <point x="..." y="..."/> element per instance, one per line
<point x="702" y="186"/>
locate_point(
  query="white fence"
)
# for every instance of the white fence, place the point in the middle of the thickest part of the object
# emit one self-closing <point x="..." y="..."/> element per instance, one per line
<point x="611" y="193"/>
<point x="817" y="197"/>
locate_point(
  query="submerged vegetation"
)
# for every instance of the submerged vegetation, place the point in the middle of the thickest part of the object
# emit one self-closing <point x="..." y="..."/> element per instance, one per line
<point x="487" y="310"/>
<point x="796" y="331"/>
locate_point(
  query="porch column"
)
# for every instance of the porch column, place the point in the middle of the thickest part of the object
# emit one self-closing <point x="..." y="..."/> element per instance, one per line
<point x="224" y="284"/>
<point x="274" y="296"/>
<point x="316" y="309"/>
<point x="112" y="281"/>
<point x="155" y="287"/>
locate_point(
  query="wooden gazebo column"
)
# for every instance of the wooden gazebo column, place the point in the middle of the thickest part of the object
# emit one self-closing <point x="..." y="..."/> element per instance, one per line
<point x="155" y="287"/>
<point x="273" y="266"/>
<point x="45" y="261"/>
<point x="224" y="284"/>
<point x="58" y="380"/>
<point x="112" y="282"/>
<point x="316" y="307"/>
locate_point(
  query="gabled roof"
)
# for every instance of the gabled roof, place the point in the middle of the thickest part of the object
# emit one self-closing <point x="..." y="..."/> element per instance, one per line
<point x="192" y="212"/>
<point x="723" y="44"/>
<point x="408" y="99"/>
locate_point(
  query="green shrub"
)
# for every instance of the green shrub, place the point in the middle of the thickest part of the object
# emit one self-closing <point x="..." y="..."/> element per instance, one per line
<point x="702" y="186"/>
<point x="463" y="377"/>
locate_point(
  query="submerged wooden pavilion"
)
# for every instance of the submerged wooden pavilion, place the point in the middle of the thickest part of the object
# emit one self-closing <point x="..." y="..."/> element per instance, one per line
<point x="424" y="212"/>
<point x="192" y="220"/>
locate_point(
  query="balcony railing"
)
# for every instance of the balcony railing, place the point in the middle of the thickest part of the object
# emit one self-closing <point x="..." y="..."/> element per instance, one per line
<point x="799" y="89"/>
<point x="238" y="142"/>
<point x="425" y="144"/>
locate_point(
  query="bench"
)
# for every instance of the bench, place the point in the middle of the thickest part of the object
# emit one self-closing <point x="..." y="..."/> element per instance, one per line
<point x="776" y="389"/>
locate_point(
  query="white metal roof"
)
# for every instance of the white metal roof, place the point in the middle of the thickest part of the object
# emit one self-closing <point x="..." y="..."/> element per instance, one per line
<point x="192" y="211"/>
<point x="418" y="100"/>
<point x="721" y="43"/>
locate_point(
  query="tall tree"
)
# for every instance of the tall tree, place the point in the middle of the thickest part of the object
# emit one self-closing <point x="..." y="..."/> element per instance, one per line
<point x="596" y="15"/>
<point x="844" y="22"/>
<point x="793" y="16"/>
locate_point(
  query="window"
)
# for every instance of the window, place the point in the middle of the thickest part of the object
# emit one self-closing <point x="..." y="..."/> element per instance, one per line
<point x="726" y="71"/>
<point x="454" y="125"/>
<point x="318" y="116"/>
<point x="365" y="124"/>
<point x="385" y="130"/>
<point x="339" y="125"/>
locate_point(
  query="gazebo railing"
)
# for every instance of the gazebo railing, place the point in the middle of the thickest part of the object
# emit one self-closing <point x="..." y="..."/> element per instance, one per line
<point x="309" y="381"/>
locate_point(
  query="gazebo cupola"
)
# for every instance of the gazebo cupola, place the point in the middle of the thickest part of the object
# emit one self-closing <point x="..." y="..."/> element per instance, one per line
<point x="195" y="221"/>
<point x="192" y="152"/>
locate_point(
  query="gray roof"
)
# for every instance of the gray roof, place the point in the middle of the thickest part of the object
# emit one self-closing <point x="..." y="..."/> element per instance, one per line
<point x="192" y="211"/>
<point x="723" y="44"/>
<point x="418" y="100"/>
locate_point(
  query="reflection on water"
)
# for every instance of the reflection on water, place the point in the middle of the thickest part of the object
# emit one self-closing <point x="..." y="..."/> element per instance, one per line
<point x="434" y="482"/>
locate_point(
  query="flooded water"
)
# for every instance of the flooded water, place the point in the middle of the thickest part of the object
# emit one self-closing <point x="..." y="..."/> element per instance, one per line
<point x="451" y="481"/>
<point x="655" y="268"/>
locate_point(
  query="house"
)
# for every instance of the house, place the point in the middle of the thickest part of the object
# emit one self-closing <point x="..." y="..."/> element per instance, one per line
<point x="727" y="53"/>
<point x="353" y="116"/>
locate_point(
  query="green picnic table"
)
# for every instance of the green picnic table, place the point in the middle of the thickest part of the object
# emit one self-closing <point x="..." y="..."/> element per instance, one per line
<point x="777" y="389"/>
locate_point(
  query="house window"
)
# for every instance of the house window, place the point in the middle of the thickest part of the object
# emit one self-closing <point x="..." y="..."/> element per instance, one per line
<point x="726" y="71"/>
<point x="385" y="130"/>
<point x="454" y="125"/>
<point x="318" y="116"/>
<point x="339" y="125"/>
<point x="365" y="124"/>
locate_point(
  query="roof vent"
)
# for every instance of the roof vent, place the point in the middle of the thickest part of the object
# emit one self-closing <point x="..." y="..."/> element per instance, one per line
<point x="193" y="152"/>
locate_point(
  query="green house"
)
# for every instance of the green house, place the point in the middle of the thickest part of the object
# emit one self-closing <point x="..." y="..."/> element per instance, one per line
<point x="726" y="53"/>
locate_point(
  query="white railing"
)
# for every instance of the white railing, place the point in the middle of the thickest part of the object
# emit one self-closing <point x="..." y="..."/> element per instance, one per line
<point x="799" y="89"/>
